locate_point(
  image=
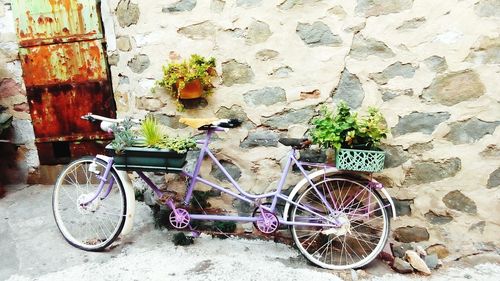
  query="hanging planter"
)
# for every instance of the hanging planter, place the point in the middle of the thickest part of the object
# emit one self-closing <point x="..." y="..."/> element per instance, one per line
<point x="355" y="138"/>
<point x="360" y="160"/>
<point x="189" y="79"/>
<point x="147" y="159"/>
<point x="191" y="90"/>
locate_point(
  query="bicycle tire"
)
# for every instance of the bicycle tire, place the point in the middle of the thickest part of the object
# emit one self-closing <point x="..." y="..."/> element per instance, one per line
<point x="353" y="240"/>
<point x="95" y="227"/>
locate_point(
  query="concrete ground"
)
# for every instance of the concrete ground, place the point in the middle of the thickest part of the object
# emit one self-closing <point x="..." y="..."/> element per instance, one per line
<point x="31" y="248"/>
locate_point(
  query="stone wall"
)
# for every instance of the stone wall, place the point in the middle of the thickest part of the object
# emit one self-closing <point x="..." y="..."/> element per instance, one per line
<point x="431" y="66"/>
<point x="13" y="96"/>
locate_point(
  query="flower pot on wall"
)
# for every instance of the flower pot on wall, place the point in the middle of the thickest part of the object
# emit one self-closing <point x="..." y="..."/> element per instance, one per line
<point x="191" y="90"/>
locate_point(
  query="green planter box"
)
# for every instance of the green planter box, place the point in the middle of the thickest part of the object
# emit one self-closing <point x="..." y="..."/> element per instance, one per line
<point x="360" y="160"/>
<point x="147" y="159"/>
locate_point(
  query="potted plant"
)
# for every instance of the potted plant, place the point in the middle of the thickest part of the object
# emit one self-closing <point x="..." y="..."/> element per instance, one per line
<point x="355" y="138"/>
<point x="148" y="149"/>
<point x="189" y="79"/>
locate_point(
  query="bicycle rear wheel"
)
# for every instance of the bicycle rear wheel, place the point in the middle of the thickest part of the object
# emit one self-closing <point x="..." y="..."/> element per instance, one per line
<point x="95" y="226"/>
<point x="363" y="224"/>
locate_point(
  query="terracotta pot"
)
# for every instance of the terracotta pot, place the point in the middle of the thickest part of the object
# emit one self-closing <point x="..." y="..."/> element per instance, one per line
<point x="191" y="90"/>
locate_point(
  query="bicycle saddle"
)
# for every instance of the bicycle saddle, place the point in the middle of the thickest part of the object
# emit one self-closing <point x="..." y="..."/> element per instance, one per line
<point x="295" y="143"/>
<point x="207" y="123"/>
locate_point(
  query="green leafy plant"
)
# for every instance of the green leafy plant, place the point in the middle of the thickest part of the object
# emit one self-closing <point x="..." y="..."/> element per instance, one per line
<point x="177" y="74"/>
<point x="152" y="132"/>
<point x="124" y="136"/>
<point x="345" y="129"/>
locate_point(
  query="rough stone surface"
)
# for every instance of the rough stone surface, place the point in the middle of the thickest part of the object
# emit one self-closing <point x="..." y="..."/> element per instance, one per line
<point x="363" y="47"/>
<point x="401" y="266"/>
<point x="21" y="107"/>
<point x="432" y="261"/>
<point x="458" y="201"/>
<point x="199" y="31"/>
<point x="419" y="122"/>
<point x="409" y="234"/>
<point x="488" y="51"/>
<point x="243" y="208"/>
<point x="470" y="131"/>
<point x="265" y="96"/>
<point x="430" y="170"/>
<point x="139" y="63"/>
<point x="234" y="112"/>
<point x="194" y="103"/>
<point x="9" y="87"/>
<point x="260" y="138"/>
<point x="23" y="131"/>
<point x="405" y="70"/>
<point x="123" y="43"/>
<point x="394" y="155"/>
<point x="169" y="121"/>
<point x="217" y="6"/>
<point x="127" y="13"/>
<point x="231" y="168"/>
<point x="317" y="34"/>
<point x="349" y="90"/>
<point x="266" y="54"/>
<point x="491" y="151"/>
<point x="494" y="179"/>
<point x="439" y="249"/>
<point x="149" y="103"/>
<point x="411" y="24"/>
<point x="436" y="63"/>
<point x="180" y="6"/>
<point x="452" y="88"/>
<point x="382" y="7"/>
<point x="312" y="155"/>
<point x="389" y="94"/>
<point x="420" y="148"/>
<point x="248" y="3"/>
<point x="281" y="72"/>
<point x="113" y="58"/>
<point x="437" y="219"/>
<point x="290" y="117"/>
<point x="487" y="8"/>
<point x="479" y="226"/>
<point x="399" y="250"/>
<point x="403" y="206"/>
<point x="257" y="32"/>
<point x="314" y="94"/>
<point x="234" y="72"/>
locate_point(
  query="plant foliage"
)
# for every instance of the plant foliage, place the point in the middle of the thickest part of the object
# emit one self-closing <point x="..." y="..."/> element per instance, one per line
<point x="177" y="74"/>
<point x="345" y="129"/>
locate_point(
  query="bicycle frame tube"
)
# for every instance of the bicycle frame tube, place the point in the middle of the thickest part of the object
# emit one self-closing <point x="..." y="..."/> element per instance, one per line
<point x="103" y="180"/>
<point x="244" y="196"/>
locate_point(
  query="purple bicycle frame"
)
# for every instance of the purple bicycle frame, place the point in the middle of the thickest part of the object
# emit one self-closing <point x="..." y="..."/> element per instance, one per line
<point x="244" y="196"/>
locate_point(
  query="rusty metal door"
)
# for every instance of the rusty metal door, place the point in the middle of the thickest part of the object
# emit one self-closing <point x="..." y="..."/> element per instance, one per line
<point x="66" y="75"/>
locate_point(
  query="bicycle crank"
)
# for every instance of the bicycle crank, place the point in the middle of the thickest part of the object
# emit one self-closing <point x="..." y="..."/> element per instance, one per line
<point x="179" y="218"/>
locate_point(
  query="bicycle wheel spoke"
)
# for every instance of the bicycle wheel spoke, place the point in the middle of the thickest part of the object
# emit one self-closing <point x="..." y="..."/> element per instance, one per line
<point x="362" y="228"/>
<point x="95" y="225"/>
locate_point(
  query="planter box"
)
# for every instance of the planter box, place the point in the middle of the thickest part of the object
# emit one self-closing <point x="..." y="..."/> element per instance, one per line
<point x="147" y="159"/>
<point x="360" y="160"/>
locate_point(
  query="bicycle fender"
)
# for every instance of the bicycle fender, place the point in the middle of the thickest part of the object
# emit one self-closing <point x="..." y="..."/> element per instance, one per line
<point x="129" y="195"/>
<point x="329" y="171"/>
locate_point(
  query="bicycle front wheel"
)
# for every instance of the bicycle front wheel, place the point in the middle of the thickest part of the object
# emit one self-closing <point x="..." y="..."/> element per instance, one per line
<point x="95" y="225"/>
<point x="360" y="218"/>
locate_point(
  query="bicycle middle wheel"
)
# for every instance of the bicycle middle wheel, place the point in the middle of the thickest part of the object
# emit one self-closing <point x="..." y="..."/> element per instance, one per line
<point x="363" y="224"/>
<point x="95" y="226"/>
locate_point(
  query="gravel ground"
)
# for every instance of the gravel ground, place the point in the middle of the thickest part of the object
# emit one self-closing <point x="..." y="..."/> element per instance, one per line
<point x="32" y="249"/>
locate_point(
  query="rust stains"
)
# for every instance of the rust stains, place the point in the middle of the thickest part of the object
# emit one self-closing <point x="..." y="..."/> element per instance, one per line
<point x="54" y="21"/>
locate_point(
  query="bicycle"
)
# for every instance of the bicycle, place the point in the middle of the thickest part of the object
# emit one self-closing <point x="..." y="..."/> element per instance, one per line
<point x="338" y="219"/>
